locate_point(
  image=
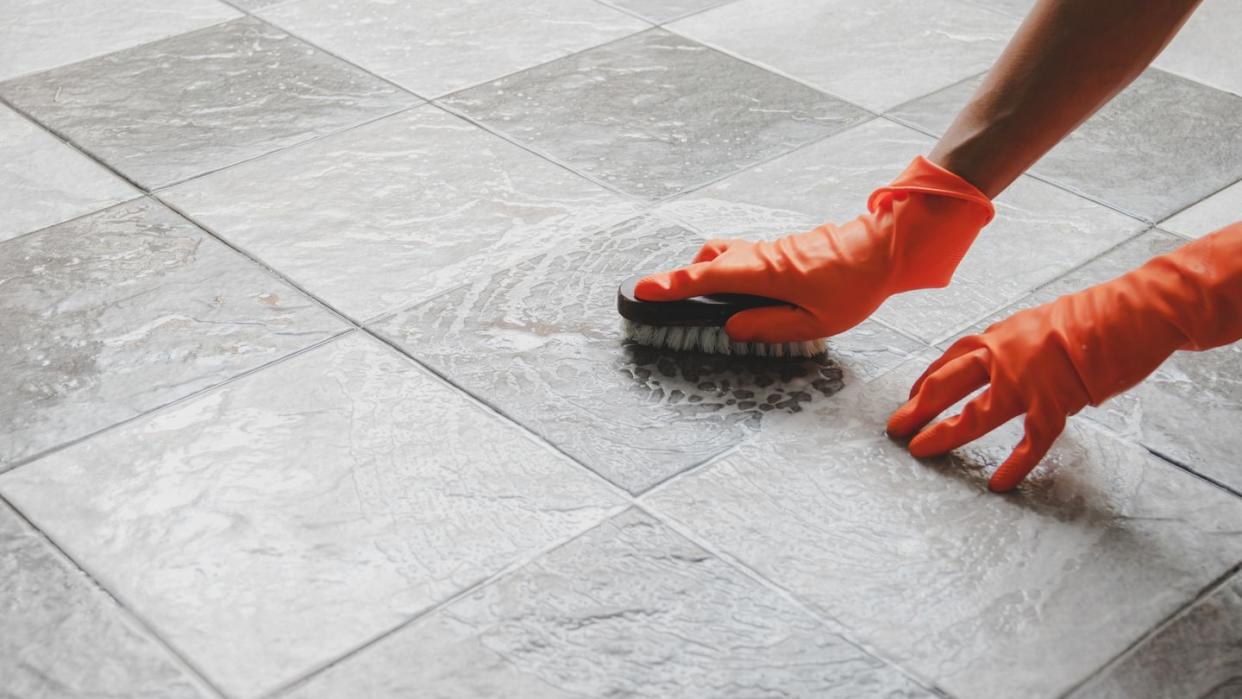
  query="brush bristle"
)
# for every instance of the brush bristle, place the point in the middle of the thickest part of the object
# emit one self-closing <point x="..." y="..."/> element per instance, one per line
<point x="713" y="340"/>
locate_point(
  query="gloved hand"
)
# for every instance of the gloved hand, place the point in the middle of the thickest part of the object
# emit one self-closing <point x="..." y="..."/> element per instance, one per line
<point x="1051" y="361"/>
<point x="916" y="231"/>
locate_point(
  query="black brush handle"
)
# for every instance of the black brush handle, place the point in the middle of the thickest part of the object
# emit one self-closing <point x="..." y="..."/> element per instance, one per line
<point x="697" y="311"/>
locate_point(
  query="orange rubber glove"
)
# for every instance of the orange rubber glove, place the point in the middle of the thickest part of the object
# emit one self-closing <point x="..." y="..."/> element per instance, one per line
<point x="1051" y="361"/>
<point x="916" y="231"/>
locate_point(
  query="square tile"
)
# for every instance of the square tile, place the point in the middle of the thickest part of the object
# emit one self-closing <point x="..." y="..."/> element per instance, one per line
<point x="859" y="50"/>
<point x="542" y="342"/>
<point x="65" y="637"/>
<point x="43" y="181"/>
<point x="270" y="526"/>
<point x="1031" y="591"/>
<point x="665" y="10"/>
<point x="1162" y="144"/>
<point x="438" y="46"/>
<point x="655" y="113"/>
<point x="1198" y="654"/>
<point x="42" y="34"/>
<point x="114" y="314"/>
<point x="394" y="212"/>
<point x="179" y="107"/>
<point x="1209" y="215"/>
<point x="628" y="609"/>
<point x="1039" y="231"/>
<point x="1189" y="408"/>
<point x="1206" y="47"/>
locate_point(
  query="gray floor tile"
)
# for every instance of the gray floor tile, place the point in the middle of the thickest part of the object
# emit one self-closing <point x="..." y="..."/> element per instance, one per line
<point x="43" y="181"/>
<point x="42" y="34"/>
<point x="267" y="527"/>
<point x="862" y="51"/>
<point x="1188" y="409"/>
<point x="542" y="342"/>
<point x="1030" y="592"/>
<point x="116" y="313"/>
<point x="1199" y="654"/>
<point x="1206" y="47"/>
<point x="394" y="212"/>
<point x="64" y="637"/>
<point x="1209" y="215"/>
<point x="655" y="113"/>
<point x="1039" y="231"/>
<point x="438" y="46"/>
<point x="1162" y="144"/>
<point x="629" y="609"/>
<point x="665" y="10"/>
<point x="1018" y="9"/>
<point x="176" y="108"/>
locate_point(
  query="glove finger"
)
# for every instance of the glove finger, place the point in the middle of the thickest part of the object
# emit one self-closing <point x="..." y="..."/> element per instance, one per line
<point x="681" y="283"/>
<point x="1041" y="431"/>
<point x="946" y="385"/>
<point x="963" y="346"/>
<point x="773" y="324"/>
<point x="715" y="248"/>
<point x="978" y="417"/>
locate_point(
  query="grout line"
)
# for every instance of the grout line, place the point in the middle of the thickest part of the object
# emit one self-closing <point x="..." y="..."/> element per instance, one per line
<point x="1178" y="464"/>
<point x="1193" y="204"/>
<point x="178" y="658"/>
<point x="1210" y="589"/>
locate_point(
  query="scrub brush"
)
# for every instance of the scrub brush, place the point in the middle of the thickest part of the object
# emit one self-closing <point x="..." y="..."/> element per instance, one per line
<point x="697" y="324"/>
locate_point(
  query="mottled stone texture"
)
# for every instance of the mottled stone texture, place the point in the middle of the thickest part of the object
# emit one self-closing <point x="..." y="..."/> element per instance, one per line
<point x="436" y="46"/>
<point x="629" y="609"/>
<point x="110" y="315"/>
<point x="665" y="10"/>
<point x="63" y="637"/>
<point x="287" y="518"/>
<point x="1205" y="49"/>
<point x="1211" y="214"/>
<point x="541" y="341"/>
<point x="180" y="107"/>
<point x="655" y="113"/>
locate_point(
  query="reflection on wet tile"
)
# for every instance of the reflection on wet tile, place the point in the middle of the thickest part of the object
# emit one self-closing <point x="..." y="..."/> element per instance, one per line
<point x="1209" y="215"/>
<point x="438" y="46"/>
<point x="43" y="181"/>
<point x="1189" y="408"/>
<point x="860" y="50"/>
<point x="1206" y="47"/>
<point x="1180" y="135"/>
<point x="964" y="586"/>
<point x="116" y="313"/>
<point x="270" y="526"/>
<point x="628" y="609"/>
<point x="1199" y="654"/>
<point x="655" y="113"/>
<point x="176" y="108"/>
<point x="542" y="342"/>
<point x="42" y="34"/>
<point x="1039" y="231"/>
<point x="394" y="212"/>
<point x="65" y="637"/>
<point x="665" y="10"/>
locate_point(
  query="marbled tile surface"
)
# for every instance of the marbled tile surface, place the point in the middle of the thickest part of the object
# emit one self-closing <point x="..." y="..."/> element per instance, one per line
<point x="438" y="46"/>
<point x="1189" y="408"/>
<point x="875" y="53"/>
<point x="397" y="211"/>
<point x="113" y="314"/>
<point x="1030" y="592"/>
<point x="182" y="106"/>
<point x="1206" y="47"/>
<point x="542" y="342"/>
<point x="65" y="637"/>
<point x="655" y="113"/>
<point x="1162" y="144"/>
<point x="1199" y="654"/>
<point x="1211" y="214"/>
<point x="39" y="34"/>
<point x="665" y="10"/>
<point x="43" y="181"/>
<point x="629" y="609"/>
<point x="1039" y="231"/>
<point x="267" y="527"/>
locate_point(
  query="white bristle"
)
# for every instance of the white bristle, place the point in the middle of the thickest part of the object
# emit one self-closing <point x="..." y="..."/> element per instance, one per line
<point x="713" y="340"/>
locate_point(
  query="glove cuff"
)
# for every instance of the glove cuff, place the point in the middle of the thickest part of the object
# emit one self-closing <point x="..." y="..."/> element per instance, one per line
<point x="925" y="177"/>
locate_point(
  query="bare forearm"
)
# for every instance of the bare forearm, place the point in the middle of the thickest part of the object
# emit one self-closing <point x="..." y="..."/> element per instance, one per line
<point x="1067" y="59"/>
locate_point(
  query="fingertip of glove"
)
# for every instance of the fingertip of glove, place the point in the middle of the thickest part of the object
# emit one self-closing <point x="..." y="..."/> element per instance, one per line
<point x="899" y="424"/>
<point x="653" y="287"/>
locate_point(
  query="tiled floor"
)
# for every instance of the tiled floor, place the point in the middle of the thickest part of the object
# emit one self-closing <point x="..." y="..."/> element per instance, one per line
<point x="311" y="384"/>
